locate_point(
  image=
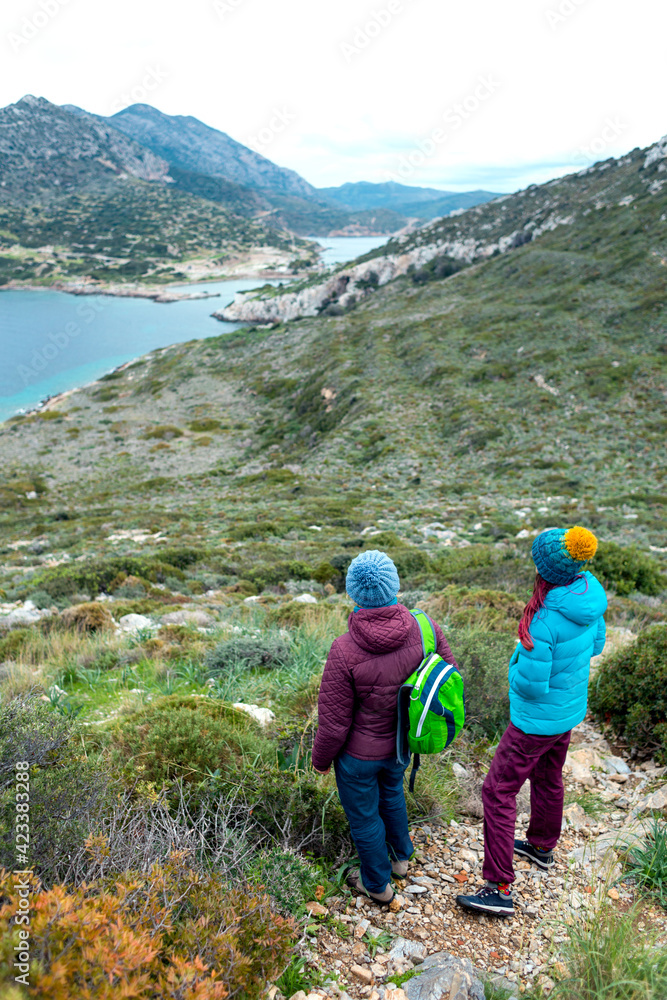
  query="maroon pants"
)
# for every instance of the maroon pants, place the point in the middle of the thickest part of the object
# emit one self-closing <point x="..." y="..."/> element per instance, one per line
<point x="521" y="756"/>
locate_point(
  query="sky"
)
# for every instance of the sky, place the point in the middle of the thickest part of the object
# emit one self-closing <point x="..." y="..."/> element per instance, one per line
<point x="457" y="96"/>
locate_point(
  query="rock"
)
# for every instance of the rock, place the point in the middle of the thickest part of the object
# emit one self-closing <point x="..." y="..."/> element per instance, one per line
<point x="299" y="995"/>
<point x="362" y="973"/>
<point x="315" y="909"/>
<point x="262" y="715"/>
<point x="399" y="994"/>
<point x="134" y="623"/>
<point x="578" y="771"/>
<point x="586" y="756"/>
<point x="615" y="765"/>
<point x="361" y="929"/>
<point x="656" y="801"/>
<point x="575" y="816"/>
<point x="397" y="903"/>
<point x="415" y="890"/>
<point x="444" y="976"/>
<point x="467" y="855"/>
<point x="378" y="970"/>
<point x="460" y="771"/>
<point x="198" y="618"/>
<point x="613" y="893"/>
<point x="305" y="599"/>
<point x="403" y="948"/>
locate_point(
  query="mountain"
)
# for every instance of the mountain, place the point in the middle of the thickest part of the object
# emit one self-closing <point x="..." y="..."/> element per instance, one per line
<point x="80" y="200"/>
<point x="614" y="189"/>
<point x="419" y="202"/>
<point x="47" y="152"/>
<point x="191" y="145"/>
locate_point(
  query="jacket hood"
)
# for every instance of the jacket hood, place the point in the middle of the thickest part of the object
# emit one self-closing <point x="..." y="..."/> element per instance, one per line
<point x="583" y="601"/>
<point x="380" y="630"/>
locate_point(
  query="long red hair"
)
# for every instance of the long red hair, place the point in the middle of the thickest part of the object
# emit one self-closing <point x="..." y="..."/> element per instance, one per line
<point x="541" y="588"/>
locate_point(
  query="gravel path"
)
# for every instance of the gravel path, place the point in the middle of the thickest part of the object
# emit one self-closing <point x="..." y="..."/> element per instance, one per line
<point x="524" y="949"/>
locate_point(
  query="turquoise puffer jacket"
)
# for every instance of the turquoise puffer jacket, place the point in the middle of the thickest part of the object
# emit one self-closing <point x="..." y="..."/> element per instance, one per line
<point x="549" y="683"/>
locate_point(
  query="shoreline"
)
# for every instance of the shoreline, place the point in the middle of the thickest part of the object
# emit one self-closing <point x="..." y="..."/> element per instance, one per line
<point x="157" y="293"/>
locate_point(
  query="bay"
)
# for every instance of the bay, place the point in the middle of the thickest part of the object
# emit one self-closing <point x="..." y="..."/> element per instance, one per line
<point x="52" y="341"/>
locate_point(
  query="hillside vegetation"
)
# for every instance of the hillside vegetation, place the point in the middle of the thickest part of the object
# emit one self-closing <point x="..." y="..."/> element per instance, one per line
<point x="174" y="540"/>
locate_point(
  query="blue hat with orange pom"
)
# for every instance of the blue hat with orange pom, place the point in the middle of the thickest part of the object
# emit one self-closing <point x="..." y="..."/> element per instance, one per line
<point x="561" y="553"/>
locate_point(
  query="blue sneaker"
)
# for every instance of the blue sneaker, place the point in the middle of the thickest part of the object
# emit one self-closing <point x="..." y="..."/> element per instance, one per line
<point x="493" y="901"/>
<point x="543" y="859"/>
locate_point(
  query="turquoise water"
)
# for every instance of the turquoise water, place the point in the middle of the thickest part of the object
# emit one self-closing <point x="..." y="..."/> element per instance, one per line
<point x="51" y="341"/>
<point x="338" y="249"/>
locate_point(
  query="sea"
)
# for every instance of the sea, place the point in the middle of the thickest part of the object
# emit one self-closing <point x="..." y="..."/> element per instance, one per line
<point x="53" y="341"/>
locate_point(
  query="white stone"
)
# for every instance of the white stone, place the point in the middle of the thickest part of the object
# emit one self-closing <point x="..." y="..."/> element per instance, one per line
<point x="262" y="715"/>
<point x="133" y="623"/>
<point x="305" y="599"/>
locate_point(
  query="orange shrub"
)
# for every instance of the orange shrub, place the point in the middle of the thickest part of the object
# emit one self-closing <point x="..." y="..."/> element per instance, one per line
<point x="173" y="932"/>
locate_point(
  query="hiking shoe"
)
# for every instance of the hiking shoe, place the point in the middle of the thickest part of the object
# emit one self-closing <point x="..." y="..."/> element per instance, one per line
<point x="493" y="901"/>
<point x="399" y="868"/>
<point x="543" y="859"/>
<point x="382" y="898"/>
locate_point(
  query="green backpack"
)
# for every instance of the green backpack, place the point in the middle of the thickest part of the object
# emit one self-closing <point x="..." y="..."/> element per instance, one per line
<point x="431" y="710"/>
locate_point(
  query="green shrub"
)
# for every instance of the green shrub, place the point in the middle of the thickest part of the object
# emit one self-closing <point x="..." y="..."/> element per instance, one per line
<point x="188" y="738"/>
<point x="299" y="810"/>
<point x="627" y="569"/>
<point x="287" y="877"/>
<point x="66" y="785"/>
<point x="483" y="658"/>
<point x="266" y="650"/>
<point x="629" y="692"/>
<point x="647" y="863"/>
<point x="12" y="643"/>
<point x="164" y="432"/>
<point x="205" y="424"/>
<point x="494" y="610"/>
<point x="94" y="575"/>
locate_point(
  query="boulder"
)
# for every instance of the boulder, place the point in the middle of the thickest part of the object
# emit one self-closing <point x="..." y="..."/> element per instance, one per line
<point x="615" y="765"/>
<point x="403" y="948"/>
<point x="305" y="599"/>
<point x="198" y="618"/>
<point x="444" y="977"/>
<point x="133" y="623"/>
<point x="262" y="715"/>
<point x="575" y="816"/>
<point x="655" y="802"/>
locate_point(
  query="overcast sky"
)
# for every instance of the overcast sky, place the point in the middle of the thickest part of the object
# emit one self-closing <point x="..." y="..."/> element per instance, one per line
<point x="451" y="95"/>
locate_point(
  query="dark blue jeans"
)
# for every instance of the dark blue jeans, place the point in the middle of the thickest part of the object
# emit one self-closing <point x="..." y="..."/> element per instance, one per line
<point x="371" y="793"/>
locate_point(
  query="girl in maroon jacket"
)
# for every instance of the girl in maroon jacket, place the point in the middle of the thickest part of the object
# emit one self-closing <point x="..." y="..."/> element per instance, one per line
<point x="358" y="719"/>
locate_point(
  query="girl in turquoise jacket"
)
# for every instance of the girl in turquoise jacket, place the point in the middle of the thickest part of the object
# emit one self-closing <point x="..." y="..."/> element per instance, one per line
<point x="561" y="629"/>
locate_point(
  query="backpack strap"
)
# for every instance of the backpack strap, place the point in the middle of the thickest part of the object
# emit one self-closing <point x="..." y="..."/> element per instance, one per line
<point x="416" y="761"/>
<point x="427" y="629"/>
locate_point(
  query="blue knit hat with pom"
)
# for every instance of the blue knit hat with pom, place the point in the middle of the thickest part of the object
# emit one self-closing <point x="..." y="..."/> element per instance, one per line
<point x="372" y="580"/>
<point x="561" y="553"/>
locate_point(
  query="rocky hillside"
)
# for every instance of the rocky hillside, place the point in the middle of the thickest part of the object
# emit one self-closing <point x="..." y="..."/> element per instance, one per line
<point x="191" y="145"/>
<point x="47" y="152"/>
<point x="80" y="201"/>
<point x="609" y="197"/>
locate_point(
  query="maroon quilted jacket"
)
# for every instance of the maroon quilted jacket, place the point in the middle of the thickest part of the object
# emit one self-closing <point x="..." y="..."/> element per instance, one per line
<point x="365" y="669"/>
